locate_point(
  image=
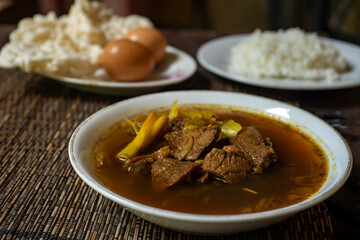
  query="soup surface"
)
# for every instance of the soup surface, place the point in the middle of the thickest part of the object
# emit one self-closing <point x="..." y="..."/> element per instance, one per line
<point x="298" y="172"/>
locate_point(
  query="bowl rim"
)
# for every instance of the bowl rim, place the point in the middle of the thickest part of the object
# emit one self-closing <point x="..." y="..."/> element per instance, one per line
<point x="206" y="218"/>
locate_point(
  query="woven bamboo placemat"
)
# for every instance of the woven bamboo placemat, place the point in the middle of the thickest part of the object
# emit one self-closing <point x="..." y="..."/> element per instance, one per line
<point x="41" y="195"/>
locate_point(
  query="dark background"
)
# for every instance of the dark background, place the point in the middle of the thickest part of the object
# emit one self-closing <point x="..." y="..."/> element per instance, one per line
<point x="335" y="18"/>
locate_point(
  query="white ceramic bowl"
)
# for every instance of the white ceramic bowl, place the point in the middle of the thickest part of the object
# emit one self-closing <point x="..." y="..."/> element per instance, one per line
<point x="334" y="146"/>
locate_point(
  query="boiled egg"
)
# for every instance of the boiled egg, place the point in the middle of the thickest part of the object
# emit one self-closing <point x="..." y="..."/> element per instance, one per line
<point x="152" y="39"/>
<point x="126" y="60"/>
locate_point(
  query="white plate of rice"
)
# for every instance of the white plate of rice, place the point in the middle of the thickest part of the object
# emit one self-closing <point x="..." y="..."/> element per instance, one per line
<point x="300" y="62"/>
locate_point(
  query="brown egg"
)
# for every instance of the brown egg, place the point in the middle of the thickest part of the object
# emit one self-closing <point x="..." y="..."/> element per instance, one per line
<point x="126" y="60"/>
<point x="151" y="38"/>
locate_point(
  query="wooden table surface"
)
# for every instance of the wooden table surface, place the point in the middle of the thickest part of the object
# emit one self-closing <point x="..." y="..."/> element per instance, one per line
<point x="42" y="197"/>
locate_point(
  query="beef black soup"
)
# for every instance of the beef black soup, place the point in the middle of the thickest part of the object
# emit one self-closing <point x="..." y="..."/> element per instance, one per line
<point x="209" y="160"/>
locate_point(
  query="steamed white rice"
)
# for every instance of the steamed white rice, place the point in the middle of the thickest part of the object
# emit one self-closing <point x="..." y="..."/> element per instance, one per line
<point x="290" y="54"/>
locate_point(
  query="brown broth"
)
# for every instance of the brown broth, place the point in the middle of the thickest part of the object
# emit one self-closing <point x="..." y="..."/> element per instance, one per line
<point x="300" y="171"/>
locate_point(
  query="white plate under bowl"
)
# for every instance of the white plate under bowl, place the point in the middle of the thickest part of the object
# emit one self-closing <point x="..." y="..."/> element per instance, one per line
<point x="336" y="149"/>
<point x="214" y="56"/>
<point x="176" y="67"/>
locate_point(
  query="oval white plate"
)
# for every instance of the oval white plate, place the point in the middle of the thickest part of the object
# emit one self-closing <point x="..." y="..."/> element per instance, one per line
<point x="176" y="67"/>
<point x="334" y="146"/>
<point x="214" y="56"/>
